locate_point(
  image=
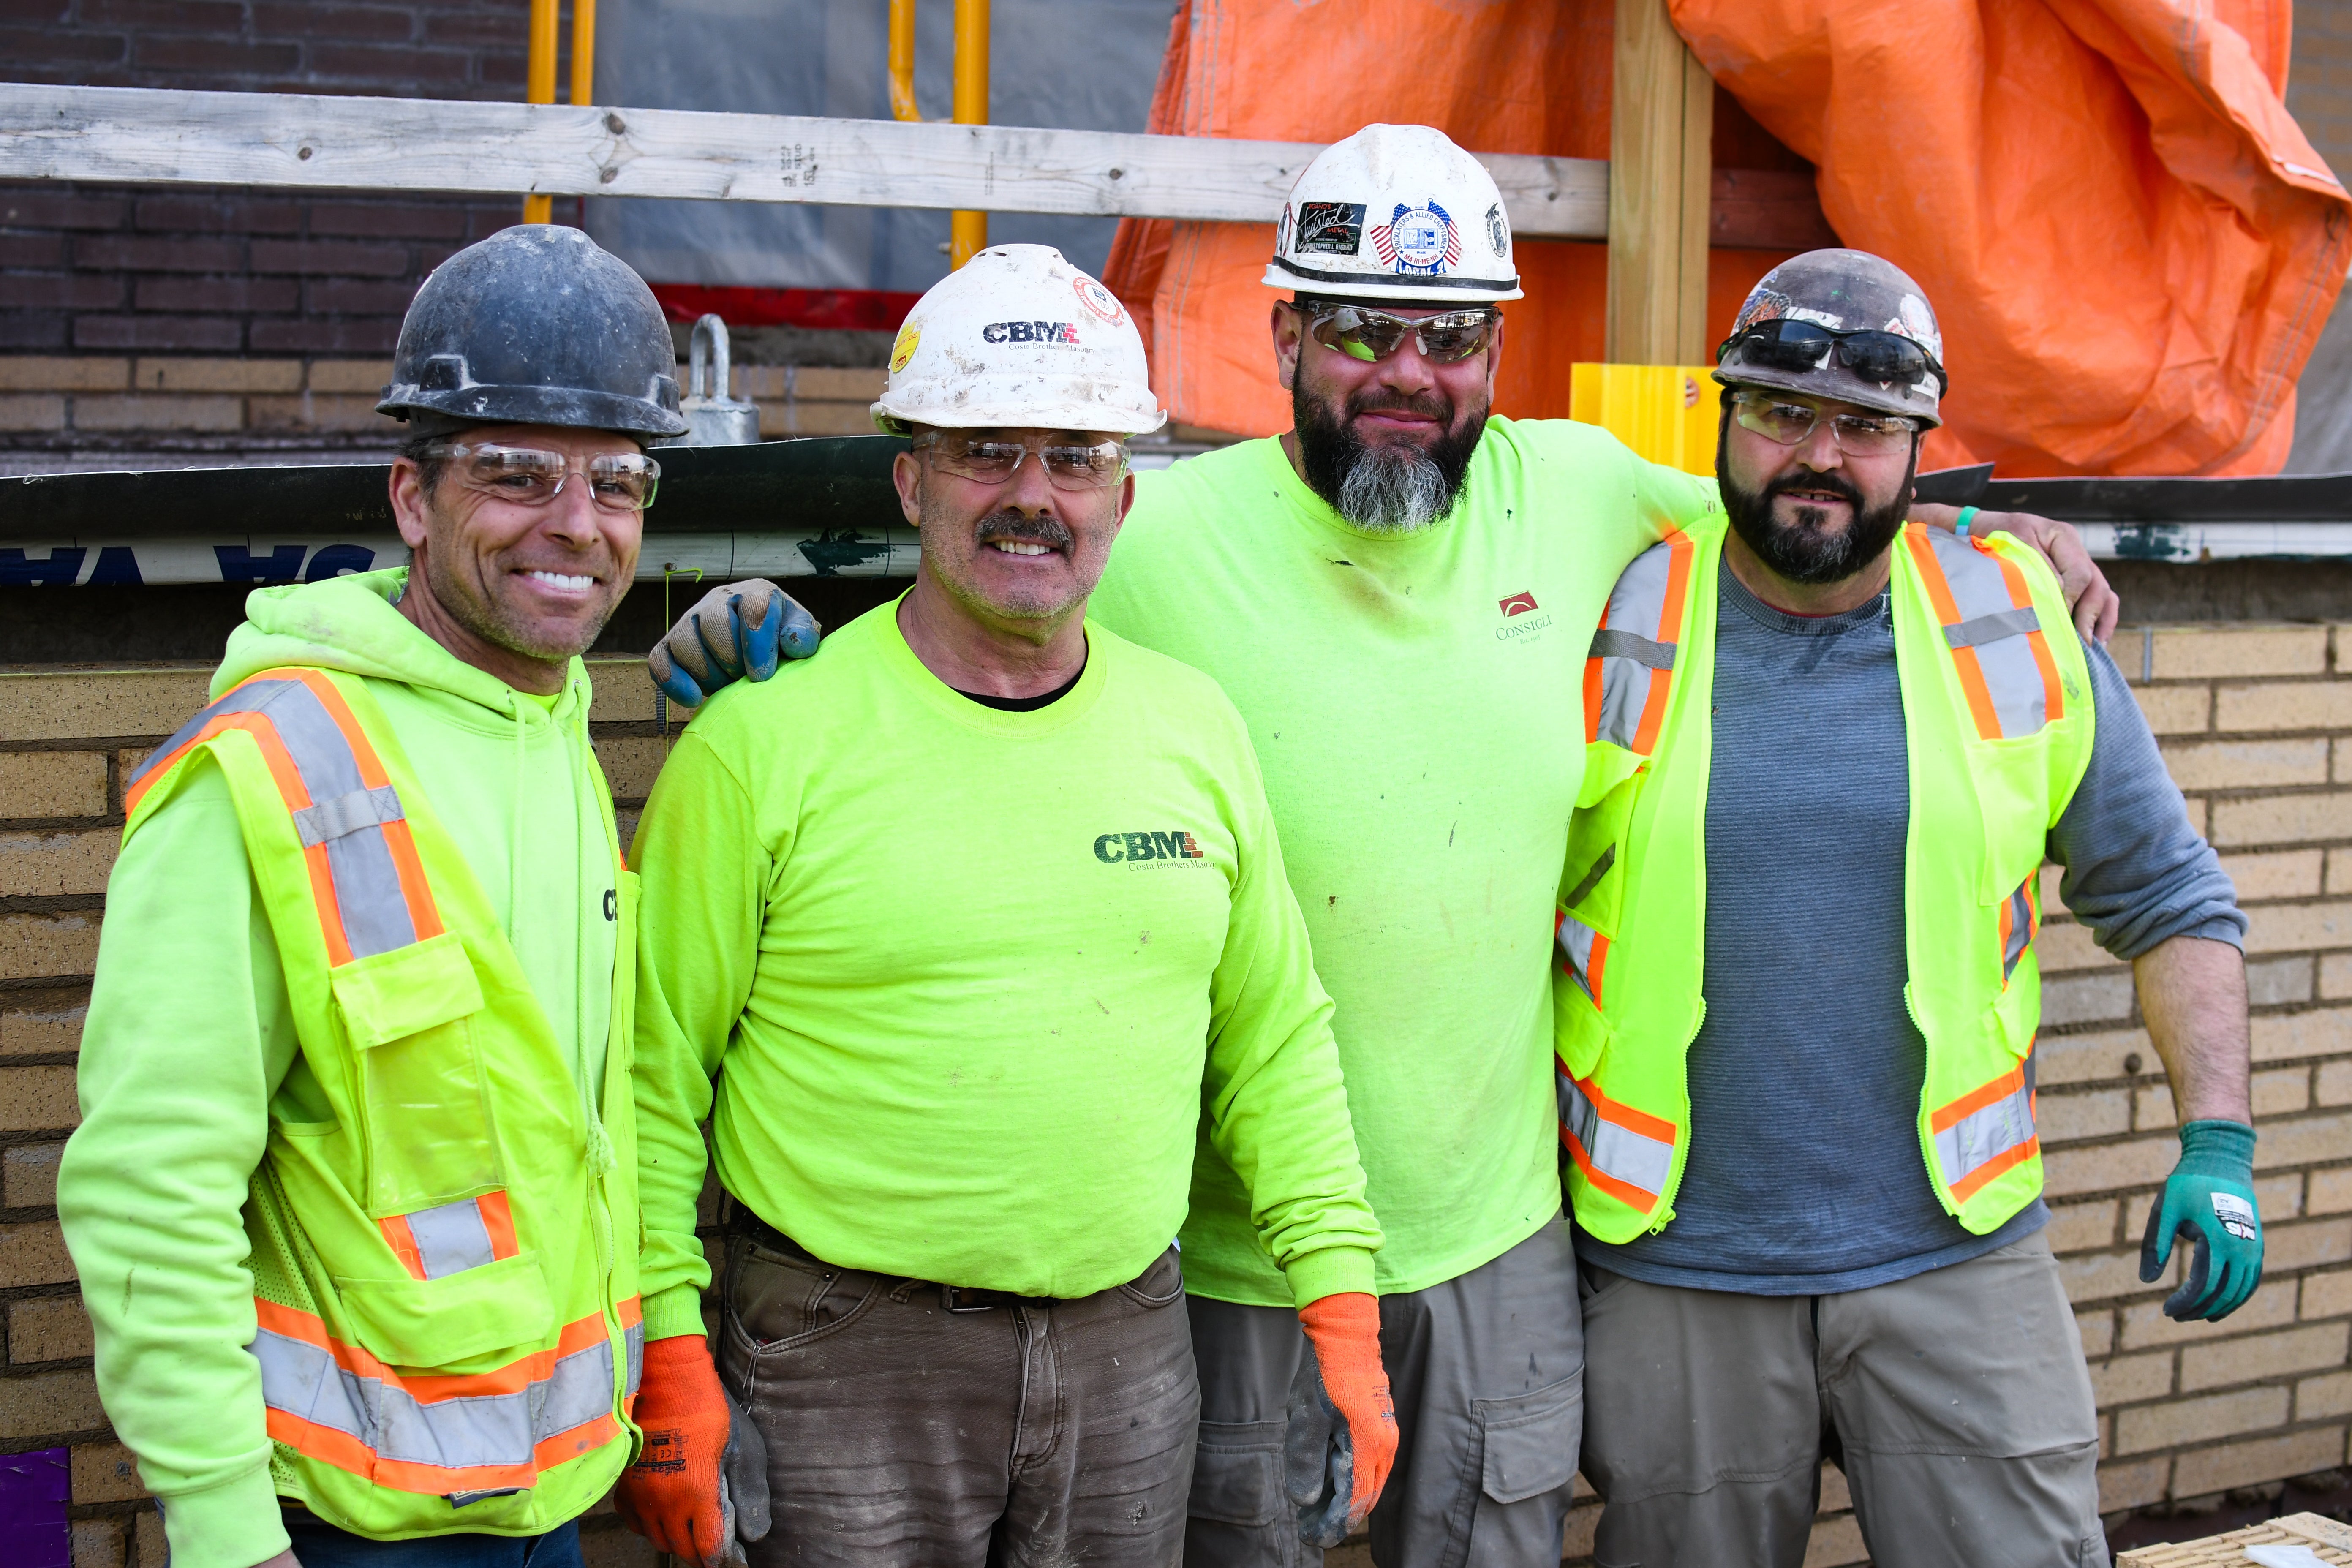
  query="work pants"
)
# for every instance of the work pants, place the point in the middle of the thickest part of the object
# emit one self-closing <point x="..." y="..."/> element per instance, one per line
<point x="1956" y="1401"/>
<point x="318" y="1544"/>
<point x="1486" y="1373"/>
<point x="908" y="1426"/>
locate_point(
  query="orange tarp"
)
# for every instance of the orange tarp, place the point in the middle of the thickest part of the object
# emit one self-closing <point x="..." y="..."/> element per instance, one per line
<point x="2130" y="244"/>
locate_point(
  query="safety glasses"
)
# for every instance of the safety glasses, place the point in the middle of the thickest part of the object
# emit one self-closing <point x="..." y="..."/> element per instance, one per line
<point x="1068" y="466"/>
<point x="1789" y="422"/>
<point x="1373" y="335"/>
<point x="1787" y="344"/>
<point x="532" y="476"/>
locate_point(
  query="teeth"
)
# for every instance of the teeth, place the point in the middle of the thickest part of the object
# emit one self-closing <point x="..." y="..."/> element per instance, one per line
<point x="1019" y="547"/>
<point x="568" y="585"/>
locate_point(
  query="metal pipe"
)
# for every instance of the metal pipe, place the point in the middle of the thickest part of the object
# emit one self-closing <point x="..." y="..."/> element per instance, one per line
<point x="968" y="231"/>
<point x="584" y="51"/>
<point x="539" y="87"/>
<point x="902" y="61"/>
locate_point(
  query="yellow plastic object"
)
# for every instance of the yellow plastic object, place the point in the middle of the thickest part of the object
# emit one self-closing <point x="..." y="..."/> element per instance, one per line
<point x="1666" y="413"/>
<point x="968" y="231"/>
<point x="539" y="87"/>
<point x="902" y="61"/>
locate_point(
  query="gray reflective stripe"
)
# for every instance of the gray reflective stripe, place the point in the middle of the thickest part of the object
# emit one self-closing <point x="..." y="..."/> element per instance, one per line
<point x="2012" y="674"/>
<point x="1576" y="944"/>
<point x="348" y="813"/>
<point x="451" y="1238"/>
<point x="1591" y="879"/>
<point x="1641" y="650"/>
<point x="374" y="913"/>
<point x="1986" y="1133"/>
<point x="2020" y="932"/>
<point x="1631" y="646"/>
<point x="634" y="1337"/>
<point x="1629" y="1156"/>
<point x="2013" y="622"/>
<point x="304" y="1381"/>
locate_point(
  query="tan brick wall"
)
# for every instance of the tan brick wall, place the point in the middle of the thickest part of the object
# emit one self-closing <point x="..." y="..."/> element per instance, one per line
<point x="2255" y="721"/>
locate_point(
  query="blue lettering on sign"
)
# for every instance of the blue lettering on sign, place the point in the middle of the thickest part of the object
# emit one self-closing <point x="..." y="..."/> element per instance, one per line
<point x="117" y="567"/>
<point x="59" y="571"/>
<point x="283" y="564"/>
<point x="337" y="559"/>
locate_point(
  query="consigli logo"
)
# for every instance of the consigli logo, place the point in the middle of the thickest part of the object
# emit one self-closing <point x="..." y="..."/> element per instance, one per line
<point x="1112" y="848"/>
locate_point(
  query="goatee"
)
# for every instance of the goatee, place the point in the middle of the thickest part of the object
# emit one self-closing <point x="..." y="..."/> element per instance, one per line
<point x="1392" y="488"/>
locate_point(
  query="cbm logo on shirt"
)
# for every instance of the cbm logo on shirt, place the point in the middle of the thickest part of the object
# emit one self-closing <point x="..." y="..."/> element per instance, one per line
<point x="1113" y="848"/>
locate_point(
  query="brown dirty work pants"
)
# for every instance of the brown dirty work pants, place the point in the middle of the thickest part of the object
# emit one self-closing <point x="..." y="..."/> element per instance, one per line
<point x="1956" y="1401"/>
<point x="1029" y="1434"/>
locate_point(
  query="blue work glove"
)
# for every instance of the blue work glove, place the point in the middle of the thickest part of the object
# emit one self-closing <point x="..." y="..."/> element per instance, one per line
<point x="733" y="632"/>
<point x="2209" y="1197"/>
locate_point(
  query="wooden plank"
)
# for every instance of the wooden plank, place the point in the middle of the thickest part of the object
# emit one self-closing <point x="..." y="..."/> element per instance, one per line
<point x="1662" y="114"/>
<point x="139" y="135"/>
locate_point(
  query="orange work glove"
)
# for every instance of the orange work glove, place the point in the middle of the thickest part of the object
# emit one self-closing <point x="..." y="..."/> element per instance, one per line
<point x="701" y="1457"/>
<point x="1342" y="1439"/>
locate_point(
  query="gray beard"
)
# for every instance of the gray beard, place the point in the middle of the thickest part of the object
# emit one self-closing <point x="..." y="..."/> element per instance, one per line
<point x="1394" y="490"/>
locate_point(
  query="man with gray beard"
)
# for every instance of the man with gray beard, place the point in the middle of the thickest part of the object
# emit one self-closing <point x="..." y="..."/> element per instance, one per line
<point x="1399" y="596"/>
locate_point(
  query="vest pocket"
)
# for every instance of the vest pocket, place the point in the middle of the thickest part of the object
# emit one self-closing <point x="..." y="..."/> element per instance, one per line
<point x="409" y="1015"/>
<point x="441" y="1322"/>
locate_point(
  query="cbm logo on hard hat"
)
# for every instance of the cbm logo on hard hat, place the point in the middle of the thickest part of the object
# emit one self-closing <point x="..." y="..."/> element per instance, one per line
<point x="1030" y="333"/>
<point x="1113" y="848"/>
<point x="1420" y="239"/>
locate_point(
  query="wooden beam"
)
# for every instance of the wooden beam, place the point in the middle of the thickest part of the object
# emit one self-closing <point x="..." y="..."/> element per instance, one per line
<point x="139" y="135"/>
<point x="1661" y="120"/>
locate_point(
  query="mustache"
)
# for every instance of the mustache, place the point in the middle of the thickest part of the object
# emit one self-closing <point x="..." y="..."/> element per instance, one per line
<point x="1837" y="484"/>
<point x="1048" y="531"/>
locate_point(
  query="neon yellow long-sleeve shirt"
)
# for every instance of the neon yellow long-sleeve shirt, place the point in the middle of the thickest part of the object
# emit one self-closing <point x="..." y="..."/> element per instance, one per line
<point x="968" y="980"/>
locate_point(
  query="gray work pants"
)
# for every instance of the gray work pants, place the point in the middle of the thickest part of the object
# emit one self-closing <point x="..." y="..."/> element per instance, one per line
<point x="1486" y="1371"/>
<point x="1029" y="1434"/>
<point x="1956" y="1401"/>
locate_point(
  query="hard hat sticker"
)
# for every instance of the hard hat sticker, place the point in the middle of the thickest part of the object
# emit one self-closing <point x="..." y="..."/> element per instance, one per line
<point x="1329" y="228"/>
<point x="1031" y="332"/>
<point x="2236" y="1214"/>
<point x="1498" y="233"/>
<point x="1097" y="298"/>
<point x="910" y="338"/>
<point x="1420" y="240"/>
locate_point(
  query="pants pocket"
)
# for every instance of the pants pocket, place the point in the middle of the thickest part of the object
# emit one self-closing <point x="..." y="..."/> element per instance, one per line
<point x="1161" y="1285"/>
<point x="1237" y="1473"/>
<point x="1527" y="1443"/>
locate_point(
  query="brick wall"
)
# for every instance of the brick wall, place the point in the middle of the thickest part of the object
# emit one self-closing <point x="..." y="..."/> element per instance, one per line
<point x="2256" y="726"/>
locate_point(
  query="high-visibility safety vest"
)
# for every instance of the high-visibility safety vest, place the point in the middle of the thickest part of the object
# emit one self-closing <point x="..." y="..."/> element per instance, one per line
<point x="445" y="1268"/>
<point x="1998" y="720"/>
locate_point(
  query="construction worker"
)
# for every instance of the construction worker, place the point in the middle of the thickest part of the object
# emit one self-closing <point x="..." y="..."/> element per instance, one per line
<point x="356" y="1137"/>
<point x="979" y="920"/>
<point x="1796" y="1026"/>
<point x="1398" y="595"/>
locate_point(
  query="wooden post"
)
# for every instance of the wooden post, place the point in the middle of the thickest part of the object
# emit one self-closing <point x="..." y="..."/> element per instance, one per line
<point x="968" y="231"/>
<point x="1661" y="120"/>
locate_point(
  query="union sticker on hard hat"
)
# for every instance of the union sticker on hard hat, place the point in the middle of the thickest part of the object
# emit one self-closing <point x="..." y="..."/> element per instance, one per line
<point x="910" y="338"/>
<point x="1916" y="321"/>
<point x="1097" y="298"/>
<point x="1498" y="233"/>
<point x="1329" y="228"/>
<point x="2236" y="1214"/>
<point x="1418" y="239"/>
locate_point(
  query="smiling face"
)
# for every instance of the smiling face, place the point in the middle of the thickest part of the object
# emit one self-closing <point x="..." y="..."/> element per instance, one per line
<point x="1813" y="512"/>
<point x="1018" y="556"/>
<point x="533" y="583"/>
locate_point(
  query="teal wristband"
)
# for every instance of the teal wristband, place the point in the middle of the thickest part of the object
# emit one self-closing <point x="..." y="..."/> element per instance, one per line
<point x="1960" y="523"/>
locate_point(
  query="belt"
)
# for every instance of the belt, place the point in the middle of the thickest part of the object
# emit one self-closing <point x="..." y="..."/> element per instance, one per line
<point x="742" y="1222"/>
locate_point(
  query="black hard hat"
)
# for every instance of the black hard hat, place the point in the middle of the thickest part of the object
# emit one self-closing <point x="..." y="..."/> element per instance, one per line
<point x="536" y="325"/>
<point x="1843" y="291"/>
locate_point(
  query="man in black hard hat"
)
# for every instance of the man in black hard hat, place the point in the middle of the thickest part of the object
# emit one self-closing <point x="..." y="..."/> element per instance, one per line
<point x="357" y="1154"/>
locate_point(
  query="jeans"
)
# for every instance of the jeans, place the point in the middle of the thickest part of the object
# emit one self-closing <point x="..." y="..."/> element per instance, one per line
<point x="318" y="1544"/>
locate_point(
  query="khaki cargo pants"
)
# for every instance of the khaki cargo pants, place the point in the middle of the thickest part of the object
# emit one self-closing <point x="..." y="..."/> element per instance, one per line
<point x="1956" y="1401"/>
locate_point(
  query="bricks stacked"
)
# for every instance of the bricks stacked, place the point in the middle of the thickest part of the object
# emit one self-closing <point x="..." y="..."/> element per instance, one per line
<point x="66" y="742"/>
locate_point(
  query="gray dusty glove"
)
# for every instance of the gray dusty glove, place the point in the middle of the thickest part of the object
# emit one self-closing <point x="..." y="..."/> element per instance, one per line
<point x="736" y="631"/>
<point x="742" y="1486"/>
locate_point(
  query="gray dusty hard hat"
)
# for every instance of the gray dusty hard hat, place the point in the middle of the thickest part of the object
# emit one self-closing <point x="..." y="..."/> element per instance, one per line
<point x="536" y="325"/>
<point x="1844" y="292"/>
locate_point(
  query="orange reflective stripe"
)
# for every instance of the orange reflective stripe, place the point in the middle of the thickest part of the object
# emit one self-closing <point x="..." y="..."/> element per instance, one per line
<point x="1624" y="1153"/>
<point x="1679" y="552"/>
<point x="1629" y="670"/>
<point x="1986" y="1131"/>
<point x="497" y="1218"/>
<point x="2054" y="700"/>
<point x="404" y="1245"/>
<point x="1963" y="659"/>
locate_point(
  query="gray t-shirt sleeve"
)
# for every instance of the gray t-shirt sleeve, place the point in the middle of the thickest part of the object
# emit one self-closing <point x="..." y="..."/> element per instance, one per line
<point x="2137" y="873"/>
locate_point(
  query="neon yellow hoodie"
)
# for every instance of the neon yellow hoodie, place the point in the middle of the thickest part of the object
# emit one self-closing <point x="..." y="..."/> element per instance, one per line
<point x="189" y="1059"/>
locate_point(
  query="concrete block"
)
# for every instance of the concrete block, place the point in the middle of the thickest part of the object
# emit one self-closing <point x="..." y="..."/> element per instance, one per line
<point x="2324" y="1294"/>
<point x="39" y="1028"/>
<point x="2304" y="1245"/>
<point x="2107" y="1167"/>
<point x="32" y="411"/>
<point x="2145" y="1326"/>
<point x="47" y="946"/>
<point x="88" y="704"/>
<point x="106" y="1472"/>
<point x="2281" y="927"/>
<point x="2102" y="1276"/>
<point x="187" y="412"/>
<point x="825" y="384"/>
<point x="219" y="374"/>
<point x="2316" y="1398"/>
<point x="63" y="373"/>
<point x="2133" y="1483"/>
<point x="2303" y="1140"/>
<point x="2190" y="653"/>
<point x="2277" y="873"/>
<point x="622" y="691"/>
<point x="2078" y="1059"/>
<point x="55" y="865"/>
<point x="149" y="1548"/>
<point x="2284" y="1092"/>
<point x="320" y="410"/>
<point x="2063" y="1117"/>
<point x="2243" y="1464"/>
<point x="47" y="1328"/>
<point x="2081" y="1228"/>
<point x="2129" y="1379"/>
<point x="2152" y="1110"/>
<point x="38" y="1099"/>
<point x="2068" y="946"/>
<point x="2279" y="982"/>
<point x="2276" y="1198"/>
<point x="28" y="1175"/>
<point x="2283" y="705"/>
<point x="48" y="1405"/>
<point x="631" y="764"/>
<point x="2331" y="1193"/>
<point x="2334" y="975"/>
<point x="2288" y="1037"/>
<point x="2250" y="1358"/>
<point x="2176" y="709"/>
<point x="2281" y="818"/>
<point x="2247" y="764"/>
<point x="98" y="1543"/>
<point x="34" y="1253"/>
<point x="2334" y="1085"/>
<point x="2198" y="1420"/>
<point x="2096" y="997"/>
<point x="365" y="376"/>
<point x="36" y="784"/>
<point x="2098" y="1331"/>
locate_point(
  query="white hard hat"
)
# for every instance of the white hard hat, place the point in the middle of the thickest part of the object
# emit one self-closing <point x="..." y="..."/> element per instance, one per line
<point x="1396" y="212"/>
<point x="1017" y="336"/>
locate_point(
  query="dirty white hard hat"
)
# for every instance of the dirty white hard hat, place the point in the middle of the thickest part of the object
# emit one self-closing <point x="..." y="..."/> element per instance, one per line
<point x="1395" y="212"/>
<point x="1017" y="336"/>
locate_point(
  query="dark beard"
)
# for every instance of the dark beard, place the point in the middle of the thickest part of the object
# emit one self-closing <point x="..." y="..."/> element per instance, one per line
<point x="1388" y="488"/>
<point x="1803" y="551"/>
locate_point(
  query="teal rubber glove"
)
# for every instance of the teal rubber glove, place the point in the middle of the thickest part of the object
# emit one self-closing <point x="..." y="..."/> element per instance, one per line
<point x="734" y="632"/>
<point x="2208" y="1198"/>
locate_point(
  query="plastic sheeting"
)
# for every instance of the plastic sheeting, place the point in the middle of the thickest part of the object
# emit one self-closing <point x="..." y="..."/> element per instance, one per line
<point x="2131" y="246"/>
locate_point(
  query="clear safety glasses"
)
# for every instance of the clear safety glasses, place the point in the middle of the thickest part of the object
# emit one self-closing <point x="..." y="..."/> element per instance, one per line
<point x="1373" y="335"/>
<point x="1789" y="421"/>
<point x="1068" y="466"/>
<point x="1787" y="344"/>
<point x="532" y="476"/>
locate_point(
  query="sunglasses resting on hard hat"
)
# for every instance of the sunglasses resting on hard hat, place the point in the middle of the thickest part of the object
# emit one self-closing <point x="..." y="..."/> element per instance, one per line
<point x="1787" y="344"/>
<point x="1373" y="335"/>
<point x="1068" y="466"/>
